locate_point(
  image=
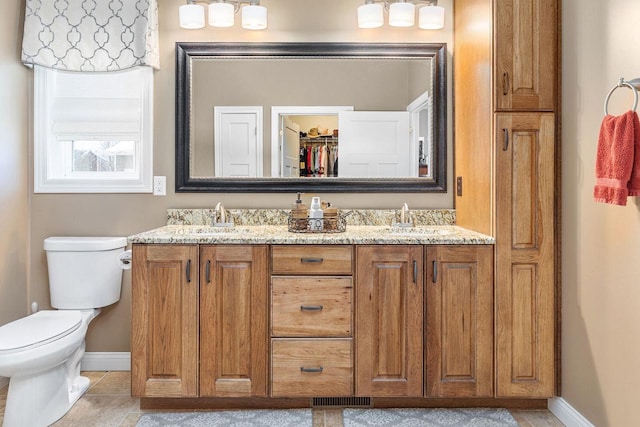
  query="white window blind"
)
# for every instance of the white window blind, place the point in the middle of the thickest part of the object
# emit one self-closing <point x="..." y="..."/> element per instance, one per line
<point x="93" y="131"/>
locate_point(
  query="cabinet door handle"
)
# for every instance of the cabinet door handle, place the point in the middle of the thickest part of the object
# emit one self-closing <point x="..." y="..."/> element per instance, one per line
<point x="189" y="271"/>
<point x="207" y="271"/>
<point x="505" y="84"/>
<point x="311" y="308"/>
<point x="415" y="271"/>
<point x="434" y="279"/>
<point x="311" y="260"/>
<point x="505" y="147"/>
<point x="303" y="369"/>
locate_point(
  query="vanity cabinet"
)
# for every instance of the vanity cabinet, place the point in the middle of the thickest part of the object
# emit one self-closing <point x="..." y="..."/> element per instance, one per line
<point x="389" y="319"/>
<point x="199" y="321"/>
<point x="301" y="321"/>
<point x="525" y="55"/>
<point x="311" y="321"/>
<point x="506" y="165"/>
<point x="164" y="321"/>
<point x="234" y="285"/>
<point x="459" y="321"/>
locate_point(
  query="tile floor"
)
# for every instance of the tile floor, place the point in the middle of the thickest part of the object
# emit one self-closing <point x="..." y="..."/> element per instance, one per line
<point x="108" y="403"/>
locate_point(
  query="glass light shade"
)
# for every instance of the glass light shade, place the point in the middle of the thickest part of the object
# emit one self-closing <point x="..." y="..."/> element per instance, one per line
<point x="431" y="18"/>
<point x="402" y="14"/>
<point x="191" y="16"/>
<point x="370" y="16"/>
<point x="221" y="14"/>
<point x="254" y="17"/>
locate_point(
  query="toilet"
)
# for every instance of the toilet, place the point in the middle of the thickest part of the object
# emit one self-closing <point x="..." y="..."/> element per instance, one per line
<point x="41" y="353"/>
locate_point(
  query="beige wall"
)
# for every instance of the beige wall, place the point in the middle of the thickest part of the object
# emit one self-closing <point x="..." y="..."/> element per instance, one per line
<point x="75" y="214"/>
<point x="601" y="243"/>
<point x="14" y="143"/>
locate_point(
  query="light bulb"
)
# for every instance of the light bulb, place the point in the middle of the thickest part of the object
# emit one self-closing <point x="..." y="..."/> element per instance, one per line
<point x="370" y="16"/>
<point x="402" y="14"/>
<point x="191" y="16"/>
<point x="221" y="14"/>
<point x="431" y="18"/>
<point x="254" y="17"/>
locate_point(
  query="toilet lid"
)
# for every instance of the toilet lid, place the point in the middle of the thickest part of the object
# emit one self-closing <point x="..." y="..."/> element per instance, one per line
<point x="38" y="329"/>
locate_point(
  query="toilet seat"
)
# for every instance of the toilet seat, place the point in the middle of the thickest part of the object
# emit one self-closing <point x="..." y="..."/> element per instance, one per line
<point x="38" y="329"/>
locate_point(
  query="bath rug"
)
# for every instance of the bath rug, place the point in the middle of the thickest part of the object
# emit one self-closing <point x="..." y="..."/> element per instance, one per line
<point x="248" y="418"/>
<point x="437" y="417"/>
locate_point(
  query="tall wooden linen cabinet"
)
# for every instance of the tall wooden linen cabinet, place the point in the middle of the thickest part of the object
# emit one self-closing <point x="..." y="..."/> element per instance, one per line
<point x="506" y="86"/>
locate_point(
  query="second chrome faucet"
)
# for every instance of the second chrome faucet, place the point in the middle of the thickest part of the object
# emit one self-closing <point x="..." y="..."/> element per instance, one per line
<point x="221" y="217"/>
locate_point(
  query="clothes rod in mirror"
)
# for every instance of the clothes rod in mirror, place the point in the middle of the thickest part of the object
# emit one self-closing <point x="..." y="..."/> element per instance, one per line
<point x="222" y="14"/>
<point x="402" y="13"/>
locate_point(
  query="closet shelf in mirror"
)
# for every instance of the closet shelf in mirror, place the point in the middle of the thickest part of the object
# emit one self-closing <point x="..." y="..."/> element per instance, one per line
<point x="329" y="139"/>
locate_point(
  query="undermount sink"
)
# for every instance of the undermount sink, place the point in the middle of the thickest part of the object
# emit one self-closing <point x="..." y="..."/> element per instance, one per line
<point x="418" y="231"/>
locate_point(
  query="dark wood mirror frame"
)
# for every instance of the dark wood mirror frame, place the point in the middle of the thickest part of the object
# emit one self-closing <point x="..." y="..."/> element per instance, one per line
<point x="185" y="52"/>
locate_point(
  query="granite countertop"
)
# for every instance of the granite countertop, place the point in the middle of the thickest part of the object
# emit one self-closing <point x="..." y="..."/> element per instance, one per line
<point x="264" y="226"/>
<point x="275" y="234"/>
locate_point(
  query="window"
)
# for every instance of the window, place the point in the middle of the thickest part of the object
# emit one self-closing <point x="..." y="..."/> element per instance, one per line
<point x="93" y="131"/>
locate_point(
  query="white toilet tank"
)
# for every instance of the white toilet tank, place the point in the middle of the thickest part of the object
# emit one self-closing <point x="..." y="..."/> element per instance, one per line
<point x="84" y="272"/>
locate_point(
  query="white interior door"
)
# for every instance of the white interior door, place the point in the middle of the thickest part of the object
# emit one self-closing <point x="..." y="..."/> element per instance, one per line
<point x="238" y="141"/>
<point x="375" y="144"/>
<point x="290" y="148"/>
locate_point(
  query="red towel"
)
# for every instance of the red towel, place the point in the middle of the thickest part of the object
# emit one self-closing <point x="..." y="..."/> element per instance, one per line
<point x="618" y="141"/>
<point x="634" y="181"/>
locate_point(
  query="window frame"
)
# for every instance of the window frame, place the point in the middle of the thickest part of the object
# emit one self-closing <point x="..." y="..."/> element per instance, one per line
<point x="44" y="137"/>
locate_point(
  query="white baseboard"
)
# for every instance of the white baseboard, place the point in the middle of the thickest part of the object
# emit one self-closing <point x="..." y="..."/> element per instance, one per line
<point x="4" y="382"/>
<point x="566" y="413"/>
<point x="106" y="361"/>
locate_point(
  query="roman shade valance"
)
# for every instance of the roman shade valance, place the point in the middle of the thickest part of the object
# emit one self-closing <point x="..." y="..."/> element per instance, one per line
<point x="91" y="35"/>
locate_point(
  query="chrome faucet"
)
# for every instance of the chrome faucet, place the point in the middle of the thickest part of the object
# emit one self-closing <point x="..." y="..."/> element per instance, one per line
<point x="405" y="216"/>
<point x="220" y="215"/>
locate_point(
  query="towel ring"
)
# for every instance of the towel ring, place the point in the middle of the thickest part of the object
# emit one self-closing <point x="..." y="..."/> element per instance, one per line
<point x="621" y="83"/>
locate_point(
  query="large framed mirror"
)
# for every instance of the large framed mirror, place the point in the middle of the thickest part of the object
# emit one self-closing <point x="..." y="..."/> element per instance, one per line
<point x="311" y="117"/>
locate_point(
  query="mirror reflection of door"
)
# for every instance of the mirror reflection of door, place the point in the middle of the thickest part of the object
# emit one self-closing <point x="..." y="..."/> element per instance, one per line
<point x="421" y="125"/>
<point x="376" y="144"/>
<point x="238" y="136"/>
<point x="290" y="148"/>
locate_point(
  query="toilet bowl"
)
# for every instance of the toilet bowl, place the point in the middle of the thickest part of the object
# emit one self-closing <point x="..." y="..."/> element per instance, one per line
<point x="41" y="353"/>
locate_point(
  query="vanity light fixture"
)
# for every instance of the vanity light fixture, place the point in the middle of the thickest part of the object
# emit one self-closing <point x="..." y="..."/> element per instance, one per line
<point x="222" y="14"/>
<point x="401" y="14"/>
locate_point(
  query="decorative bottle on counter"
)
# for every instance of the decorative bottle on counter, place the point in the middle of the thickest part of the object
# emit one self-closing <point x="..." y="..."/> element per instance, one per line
<point x="316" y="215"/>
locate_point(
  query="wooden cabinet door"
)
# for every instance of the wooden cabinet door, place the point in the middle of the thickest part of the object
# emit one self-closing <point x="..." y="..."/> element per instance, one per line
<point x="525" y="288"/>
<point x="389" y="298"/>
<point x="233" y="321"/>
<point x="525" y="54"/>
<point x="459" y="326"/>
<point x="164" y="321"/>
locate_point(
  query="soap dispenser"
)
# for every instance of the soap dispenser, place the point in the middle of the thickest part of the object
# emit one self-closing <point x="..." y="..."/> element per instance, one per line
<point x="316" y="215"/>
<point x="299" y="209"/>
<point x="299" y="215"/>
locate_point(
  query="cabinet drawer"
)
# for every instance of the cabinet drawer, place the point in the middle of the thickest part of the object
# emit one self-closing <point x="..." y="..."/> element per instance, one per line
<point x="311" y="306"/>
<point x="311" y="367"/>
<point x="311" y="259"/>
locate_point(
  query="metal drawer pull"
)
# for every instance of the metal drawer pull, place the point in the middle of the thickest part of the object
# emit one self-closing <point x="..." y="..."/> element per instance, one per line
<point x="208" y="271"/>
<point x="505" y="84"/>
<point x="415" y="271"/>
<point x="311" y="307"/>
<point x="506" y="139"/>
<point x="435" y="272"/>
<point x="311" y="260"/>
<point x="189" y="271"/>
<point x="303" y="369"/>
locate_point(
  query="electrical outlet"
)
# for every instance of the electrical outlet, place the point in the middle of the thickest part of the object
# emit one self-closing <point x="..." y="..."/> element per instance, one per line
<point x="159" y="185"/>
